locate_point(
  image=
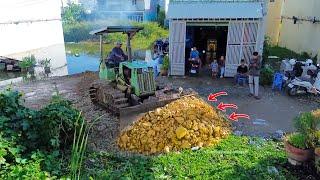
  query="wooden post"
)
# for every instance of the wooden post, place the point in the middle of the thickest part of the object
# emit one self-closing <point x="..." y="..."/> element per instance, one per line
<point x="129" y="47"/>
<point x="101" y="52"/>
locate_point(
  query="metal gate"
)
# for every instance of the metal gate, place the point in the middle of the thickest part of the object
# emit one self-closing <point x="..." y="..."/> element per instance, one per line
<point x="242" y="40"/>
<point x="177" y="40"/>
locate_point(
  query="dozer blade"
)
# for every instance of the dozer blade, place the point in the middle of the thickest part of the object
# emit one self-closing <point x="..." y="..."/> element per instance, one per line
<point x="131" y="114"/>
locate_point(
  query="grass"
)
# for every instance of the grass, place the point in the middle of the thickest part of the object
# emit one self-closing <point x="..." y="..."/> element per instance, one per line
<point x="283" y="52"/>
<point x="234" y="158"/>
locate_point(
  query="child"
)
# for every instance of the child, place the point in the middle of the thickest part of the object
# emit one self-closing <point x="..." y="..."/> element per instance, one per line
<point x="214" y="68"/>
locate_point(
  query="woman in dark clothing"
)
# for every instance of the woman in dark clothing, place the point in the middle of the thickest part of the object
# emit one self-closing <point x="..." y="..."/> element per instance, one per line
<point x="222" y="63"/>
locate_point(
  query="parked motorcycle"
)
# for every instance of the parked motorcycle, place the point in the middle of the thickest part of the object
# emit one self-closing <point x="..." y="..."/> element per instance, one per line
<point x="293" y="68"/>
<point x="195" y="66"/>
<point x="300" y="85"/>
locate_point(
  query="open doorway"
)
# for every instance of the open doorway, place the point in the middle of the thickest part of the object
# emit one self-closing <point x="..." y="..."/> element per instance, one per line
<point x="211" y="42"/>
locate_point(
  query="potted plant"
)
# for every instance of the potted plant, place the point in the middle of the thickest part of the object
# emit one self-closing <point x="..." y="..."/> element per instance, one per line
<point x="316" y="116"/>
<point x="300" y="145"/>
<point x="317" y="154"/>
<point x="27" y="64"/>
<point x="46" y="65"/>
<point x="297" y="149"/>
<point x="165" y="66"/>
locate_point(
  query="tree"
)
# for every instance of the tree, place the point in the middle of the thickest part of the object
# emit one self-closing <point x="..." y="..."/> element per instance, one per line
<point x="73" y="13"/>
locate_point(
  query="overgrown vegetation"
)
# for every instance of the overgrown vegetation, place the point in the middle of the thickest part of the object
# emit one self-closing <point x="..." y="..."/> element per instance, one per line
<point x="298" y="140"/>
<point x="35" y="144"/>
<point x="282" y="53"/>
<point x="166" y="63"/>
<point x="266" y="75"/>
<point x="307" y="132"/>
<point x="28" y="62"/>
<point x="89" y="44"/>
<point x="233" y="158"/>
<point x="73" y="13"/>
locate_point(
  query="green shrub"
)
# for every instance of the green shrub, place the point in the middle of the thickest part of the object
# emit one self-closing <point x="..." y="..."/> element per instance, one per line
<point x="266" y="76"/>
<point x="58" y="123"/>
<point x="77" y="32"/>
<point x="161" y="16"/>
<point x="298" y="140"/>
<point x="282" y="53"/>
<point x="14" y="166"/>
<point x="48" y="132"/>
<point x="166" y="63"/>
<point x="307" y="125"/>
<point x="73" y="13"/>
<point x="17" y="121"/>
<point x="28" y="62"/>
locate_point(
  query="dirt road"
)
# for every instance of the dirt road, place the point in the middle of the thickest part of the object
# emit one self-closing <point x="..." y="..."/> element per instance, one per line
<point x="273" y="112"/>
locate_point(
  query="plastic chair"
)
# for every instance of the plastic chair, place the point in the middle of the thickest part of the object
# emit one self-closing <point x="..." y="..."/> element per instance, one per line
<point x="277" y="81"/>
<point x="241" y="80"/>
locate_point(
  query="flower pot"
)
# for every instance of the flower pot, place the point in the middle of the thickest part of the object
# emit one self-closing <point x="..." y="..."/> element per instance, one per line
<point x="297" y="156"/>
<point x="317" y="158"/>
<point x="164" y="72"/>
<point x="47" y="70"/>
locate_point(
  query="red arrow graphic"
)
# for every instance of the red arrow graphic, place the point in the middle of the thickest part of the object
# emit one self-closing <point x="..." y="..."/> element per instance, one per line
<point x="235" y="117"/>
<point x="222" y="107"/>
<point x="213" y="97"/>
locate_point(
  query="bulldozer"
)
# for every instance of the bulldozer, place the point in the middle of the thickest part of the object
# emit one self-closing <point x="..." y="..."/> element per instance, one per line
<point x="128" y="89"/>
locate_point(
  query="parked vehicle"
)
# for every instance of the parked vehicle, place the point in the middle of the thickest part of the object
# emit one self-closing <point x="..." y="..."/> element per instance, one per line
<point x="194" y="68"/>
<point x="302" y="85"/>
<point x="287" y="69"/>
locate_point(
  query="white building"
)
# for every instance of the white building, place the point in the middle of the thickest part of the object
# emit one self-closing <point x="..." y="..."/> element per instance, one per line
<point x="33" y="27"/>
<point x="233" y="28"/>
<point x="134" y="10"/>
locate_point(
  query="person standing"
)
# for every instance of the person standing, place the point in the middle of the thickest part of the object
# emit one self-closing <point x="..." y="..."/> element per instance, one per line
<point x="254" y="73"/>
<point x="195" y="56"/>
<point x="222" y="66"/>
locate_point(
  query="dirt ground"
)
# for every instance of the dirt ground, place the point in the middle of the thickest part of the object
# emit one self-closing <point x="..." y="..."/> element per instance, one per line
<point x="272" y="113"/>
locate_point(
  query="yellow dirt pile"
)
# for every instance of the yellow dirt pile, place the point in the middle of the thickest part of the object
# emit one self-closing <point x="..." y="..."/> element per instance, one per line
<point x="185" y="123"/>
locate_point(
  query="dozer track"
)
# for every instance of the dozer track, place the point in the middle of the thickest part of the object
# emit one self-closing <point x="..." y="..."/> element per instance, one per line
<point x="106" y="95"/>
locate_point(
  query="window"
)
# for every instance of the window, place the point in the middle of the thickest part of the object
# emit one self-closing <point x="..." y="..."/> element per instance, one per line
<point x="134" y="2"/>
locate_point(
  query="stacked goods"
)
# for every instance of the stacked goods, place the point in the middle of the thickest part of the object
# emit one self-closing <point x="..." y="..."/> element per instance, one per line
<point x="183" y="124"/>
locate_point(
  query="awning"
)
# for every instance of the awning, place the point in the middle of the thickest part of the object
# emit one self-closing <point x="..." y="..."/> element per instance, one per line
<point x="116" y="29"/>
<point x="214" y="10"/>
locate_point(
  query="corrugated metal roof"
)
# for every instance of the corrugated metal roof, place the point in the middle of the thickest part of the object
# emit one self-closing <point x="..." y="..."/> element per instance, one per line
<point x="214" y="10"/>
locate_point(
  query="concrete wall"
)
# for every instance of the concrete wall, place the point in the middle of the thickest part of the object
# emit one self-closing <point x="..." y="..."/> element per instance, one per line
<point x="33" y="27"/>
<point x="273" y="20"/>
<point x="304" y="36"/>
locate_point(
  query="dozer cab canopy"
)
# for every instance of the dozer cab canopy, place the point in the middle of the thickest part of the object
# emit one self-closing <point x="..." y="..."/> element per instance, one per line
<point x="129" y="30"/>
<point x="116" y="29"/>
